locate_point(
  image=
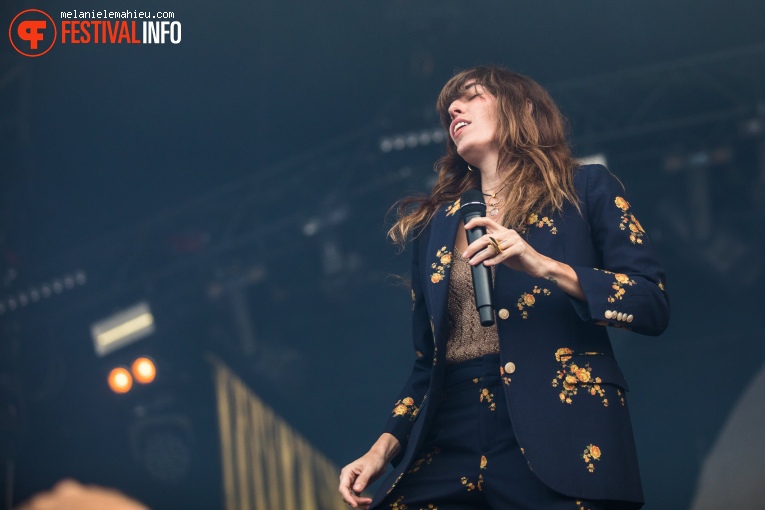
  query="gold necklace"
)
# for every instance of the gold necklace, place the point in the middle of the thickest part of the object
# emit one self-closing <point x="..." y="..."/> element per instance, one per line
<point x="493" y="196"/>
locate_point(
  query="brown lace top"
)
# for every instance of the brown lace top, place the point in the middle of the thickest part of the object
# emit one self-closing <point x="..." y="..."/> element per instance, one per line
<point x="467" y="338"/>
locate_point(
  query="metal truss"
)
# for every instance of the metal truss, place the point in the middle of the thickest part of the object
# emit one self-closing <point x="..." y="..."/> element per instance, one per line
<point x="704" y="91"/>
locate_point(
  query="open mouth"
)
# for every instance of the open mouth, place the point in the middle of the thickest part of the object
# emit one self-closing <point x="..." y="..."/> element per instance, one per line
<point x="459" y="126"/>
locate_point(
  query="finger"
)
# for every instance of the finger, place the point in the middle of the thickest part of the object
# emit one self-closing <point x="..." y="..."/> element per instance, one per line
<point x="346" y="479"/>
<point x="476" y="246"/>
<point x="361" y="482"/>
<point x="481" y="256"/>
<point x="483" y="221"/>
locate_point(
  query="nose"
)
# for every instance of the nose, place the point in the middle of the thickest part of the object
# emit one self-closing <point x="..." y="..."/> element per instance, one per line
<point x="455" y="108"/>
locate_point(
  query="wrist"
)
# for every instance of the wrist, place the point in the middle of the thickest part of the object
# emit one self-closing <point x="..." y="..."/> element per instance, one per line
<point x="551" y="270"/>
<point x="387" y="446"/>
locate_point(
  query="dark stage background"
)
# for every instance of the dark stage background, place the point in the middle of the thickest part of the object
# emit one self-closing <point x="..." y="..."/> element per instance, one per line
<point x="239" y="183"/>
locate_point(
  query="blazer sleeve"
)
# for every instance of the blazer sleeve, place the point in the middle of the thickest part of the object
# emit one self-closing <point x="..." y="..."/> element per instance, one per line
<point x="628" y="291"/>
<point x="413" y="395"/>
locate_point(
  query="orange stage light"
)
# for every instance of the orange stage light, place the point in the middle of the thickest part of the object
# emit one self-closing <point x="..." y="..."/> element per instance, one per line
<point x="120" y="380"/>
<point x="144" y="370"/>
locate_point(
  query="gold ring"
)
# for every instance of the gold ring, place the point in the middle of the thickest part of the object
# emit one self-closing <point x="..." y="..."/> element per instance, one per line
<point x="496" y="245"/>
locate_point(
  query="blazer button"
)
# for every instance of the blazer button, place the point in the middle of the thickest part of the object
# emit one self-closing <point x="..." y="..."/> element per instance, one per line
<point x="503" y="314"/>
<point x="509" y="367"/>
<point x="609" y="314"/>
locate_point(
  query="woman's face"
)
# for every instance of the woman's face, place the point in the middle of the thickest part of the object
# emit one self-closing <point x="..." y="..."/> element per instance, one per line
<point x="474" y="124"/>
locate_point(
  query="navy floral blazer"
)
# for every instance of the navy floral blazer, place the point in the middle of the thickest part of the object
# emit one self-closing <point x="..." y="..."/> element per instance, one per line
<point x="566" y="393"/>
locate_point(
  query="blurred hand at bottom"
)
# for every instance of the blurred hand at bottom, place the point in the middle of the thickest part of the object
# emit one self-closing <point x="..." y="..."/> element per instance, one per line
<point x="72" y="495"/>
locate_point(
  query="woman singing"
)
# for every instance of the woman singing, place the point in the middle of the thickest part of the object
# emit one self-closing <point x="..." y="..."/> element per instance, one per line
<point x="530" y="413"/>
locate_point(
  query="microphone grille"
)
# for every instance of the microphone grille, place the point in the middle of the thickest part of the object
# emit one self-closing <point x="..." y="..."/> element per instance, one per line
<point x="471" y="201"/>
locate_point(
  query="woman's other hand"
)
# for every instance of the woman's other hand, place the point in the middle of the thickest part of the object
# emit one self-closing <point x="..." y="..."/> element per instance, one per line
<point x="356" y="476"/>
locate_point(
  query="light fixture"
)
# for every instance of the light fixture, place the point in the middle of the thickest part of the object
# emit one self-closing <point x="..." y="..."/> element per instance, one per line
<point x="120" y="380"/>
<point x="144" y="370"/>
<point x="412" y="140"/>
<point x="122" y="328"/>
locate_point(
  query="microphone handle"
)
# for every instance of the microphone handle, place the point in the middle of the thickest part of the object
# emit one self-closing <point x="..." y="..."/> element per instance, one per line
<point x="482" y="284"/>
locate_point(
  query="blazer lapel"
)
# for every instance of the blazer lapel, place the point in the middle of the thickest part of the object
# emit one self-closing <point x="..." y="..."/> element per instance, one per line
<point x="438" y="261"/>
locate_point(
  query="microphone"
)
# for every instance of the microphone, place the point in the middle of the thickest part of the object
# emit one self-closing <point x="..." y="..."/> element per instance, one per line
<point x="473" y="206"/>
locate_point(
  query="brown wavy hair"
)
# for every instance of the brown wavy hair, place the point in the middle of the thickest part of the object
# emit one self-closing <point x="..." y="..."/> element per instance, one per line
<point x="534" y="159"/>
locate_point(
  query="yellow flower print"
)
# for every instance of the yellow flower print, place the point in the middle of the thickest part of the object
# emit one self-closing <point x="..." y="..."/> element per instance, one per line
<point x="562" y="354"/>
<point x="453" y="208"/>
<point x="444" y="256"/>
<point x="629" y="222"/>
<point x="505" y="377"/>
<point x="620" y="281"/>
<point x="533" y="220"/>
<point x="393" y="486"/>
<point x="527" y="299"/>
<point x="572" y="377"/>
<point x="661" y="286"/>
<point x="470" y="486"/>
<point x="591" y="452"/>
<point x="424" y="460"/>
<point x="398" y="505"/>
<point x="483" y="462"/>
<point x="488" y="397"/>
<point x="404" y="407"/>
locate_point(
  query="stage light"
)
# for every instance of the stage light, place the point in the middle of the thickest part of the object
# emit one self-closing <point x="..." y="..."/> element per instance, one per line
<point x="120" y="380"/>
<point x="144" y="370"/>
<point x="438" y="135"/>
<point x="122" y="328"/>
<point x="80" y="277"/>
